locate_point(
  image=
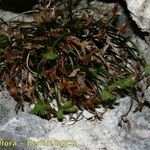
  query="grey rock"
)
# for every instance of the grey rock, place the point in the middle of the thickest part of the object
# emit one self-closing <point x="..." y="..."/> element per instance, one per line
<point x="25" y="127"/>
<point x="141" y="41"/>
<point x="140" y="12"/>
<point x="10" y="16"/>
<point x="7" y="107"/>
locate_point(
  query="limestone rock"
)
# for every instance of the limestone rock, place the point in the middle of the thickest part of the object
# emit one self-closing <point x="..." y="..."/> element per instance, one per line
<point x="30" y="132"/>
<point x="140" y="12"/>
<point x="10" y="16"/>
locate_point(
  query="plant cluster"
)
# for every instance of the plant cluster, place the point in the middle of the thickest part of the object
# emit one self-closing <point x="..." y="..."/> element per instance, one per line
<point x="70" y="58"/>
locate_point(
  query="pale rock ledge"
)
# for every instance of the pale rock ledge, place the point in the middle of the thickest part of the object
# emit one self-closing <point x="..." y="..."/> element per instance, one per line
<point x="140" y="12"/>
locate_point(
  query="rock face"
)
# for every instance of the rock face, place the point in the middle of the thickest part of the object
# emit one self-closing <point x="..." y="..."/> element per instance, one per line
<point x="7" y="16"/>
<point x="140" y="12"/>
<point x="28" y="132"/>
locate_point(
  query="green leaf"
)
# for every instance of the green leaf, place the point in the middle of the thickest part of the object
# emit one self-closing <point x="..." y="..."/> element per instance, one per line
<point x="71" y="110"/>
<point x="102" y="71"/>
<point x="147" y="70"/>
<point x="135" y="46"/>
<point x="3" y="41"/>
<point x="108" y="96"/>
<point x="40" y="108"/>
<point x="112" y="87"/>
<point x="93" y="75"/>
<point x="50" y="55"/>
<point x="68" y="104"/>
<point x="66" y="109"/>
<point x="127" y="82"/>
<point x="60" y="114"/>
<point x="122" y="84"/>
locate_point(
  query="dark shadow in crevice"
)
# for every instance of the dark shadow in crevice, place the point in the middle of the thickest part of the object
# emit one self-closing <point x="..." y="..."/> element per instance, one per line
<point x="17" y="6"/>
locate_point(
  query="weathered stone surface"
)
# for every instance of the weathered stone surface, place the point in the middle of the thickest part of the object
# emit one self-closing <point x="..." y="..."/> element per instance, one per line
<point x="7" y="16"/>
<point x="96" y="9"/>
<point x="7" y="107"/>
<point x="84" y="135"/>
<point x="140" y="12"/>
<point x="142" y="42"/>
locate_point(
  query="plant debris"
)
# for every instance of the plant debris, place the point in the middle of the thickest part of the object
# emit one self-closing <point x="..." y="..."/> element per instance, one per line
<point x="69" y="58"/>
